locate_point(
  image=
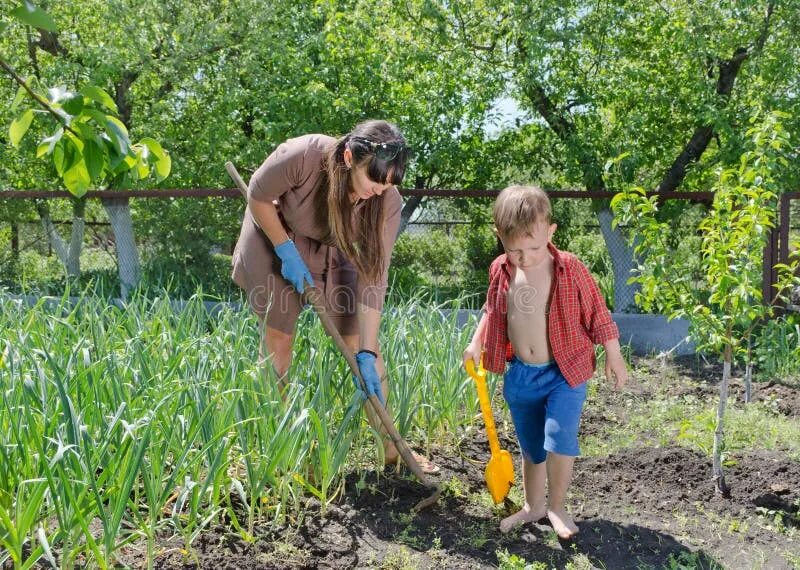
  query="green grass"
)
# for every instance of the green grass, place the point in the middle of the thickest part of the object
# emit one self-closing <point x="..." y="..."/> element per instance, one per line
<point x="661" y="419"/>
<point x="147" y="420"/>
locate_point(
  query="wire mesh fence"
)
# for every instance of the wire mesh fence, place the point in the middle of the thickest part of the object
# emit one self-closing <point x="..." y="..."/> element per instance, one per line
<point x="184" y="239"/>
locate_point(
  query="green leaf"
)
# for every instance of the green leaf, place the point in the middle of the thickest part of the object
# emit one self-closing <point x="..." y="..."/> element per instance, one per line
<point x="58" y="157"/>
<point x="85" y="131"/>
<point x="18" y="98"/>
<point x="48" y="145"/>
<point x="20" y="126"/>
<point x="72" y="153"/>
<point x="74" y="104"/>
<point x="94" y="157"/>
<point x="99" y="95"/>
<point x="153" y="146"/>
<point x="162" y="162"/>
<point x="142" y="167"/>
<point x="163" y="167"/>
<point x="34" y="16"/>
<point x="77" y="180"/>
<point x="76" y="140"/>
<point x="118" y="134"/>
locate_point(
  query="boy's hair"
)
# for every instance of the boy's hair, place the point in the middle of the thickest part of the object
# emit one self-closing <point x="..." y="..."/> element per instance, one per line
<point x="519" y="208"/>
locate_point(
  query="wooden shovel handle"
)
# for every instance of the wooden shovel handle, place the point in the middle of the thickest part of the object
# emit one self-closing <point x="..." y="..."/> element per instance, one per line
<point x="313" y="296"/>
<point x="234" y="174"/>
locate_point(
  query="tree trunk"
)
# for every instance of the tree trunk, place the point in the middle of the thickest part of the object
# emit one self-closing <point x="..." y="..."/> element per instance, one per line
<point x="411" y="205"/>
<point x="622" y="262"/>
<point x="14" y="242"/>
<point x="748" y="374"/>
<point x="408" y="210"/>
<point x="719" y="476"/>
<point x="68" y="254"/>
<point x="622" y="257"/>
<point x="119" y="214"/>
<point x="748" y="384"/>
<point x="76" y="238"/>
<point x="53" y="238"/>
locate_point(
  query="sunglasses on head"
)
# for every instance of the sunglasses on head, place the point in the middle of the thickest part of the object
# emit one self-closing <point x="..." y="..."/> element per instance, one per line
<point x="384" y="150"/>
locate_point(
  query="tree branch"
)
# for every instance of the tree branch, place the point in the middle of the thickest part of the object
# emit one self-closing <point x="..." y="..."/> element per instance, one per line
<point x="37" y="98"/>
<point x="48" y="41"/>
<point x="564" y="128"/>
<point x="728" y="71"/>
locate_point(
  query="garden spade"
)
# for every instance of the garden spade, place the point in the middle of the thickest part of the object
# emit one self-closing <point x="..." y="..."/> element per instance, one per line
<point x="500" y="469"/>
<point x="315" y="298"/>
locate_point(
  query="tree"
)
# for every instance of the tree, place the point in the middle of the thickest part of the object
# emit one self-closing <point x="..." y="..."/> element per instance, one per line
<point x="89" y="146"/>
<point x="670" y="83"/>
<point x="726" y="304"/>
<point x="223" y="81"/>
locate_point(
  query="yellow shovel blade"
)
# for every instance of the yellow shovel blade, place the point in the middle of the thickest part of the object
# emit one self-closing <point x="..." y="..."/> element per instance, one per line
<point x="500" y="475"/>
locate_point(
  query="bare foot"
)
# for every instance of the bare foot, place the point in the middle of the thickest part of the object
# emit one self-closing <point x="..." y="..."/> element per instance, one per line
<point x="428" y="467"/>
<point x="524" y="515"/>
<point x="562" y="523"/>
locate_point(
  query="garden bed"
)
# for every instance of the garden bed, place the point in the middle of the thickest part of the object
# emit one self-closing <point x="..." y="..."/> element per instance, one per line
<point x="638" y="506"/>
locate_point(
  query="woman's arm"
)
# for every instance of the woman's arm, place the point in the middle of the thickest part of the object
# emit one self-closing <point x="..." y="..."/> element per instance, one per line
<point x="266" y="216"/>
<point x="369" y="322"/>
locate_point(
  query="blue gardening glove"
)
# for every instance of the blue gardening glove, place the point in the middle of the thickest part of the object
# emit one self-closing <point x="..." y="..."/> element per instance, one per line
<point x="366" y="367"/>
<point x="293" y="268"/>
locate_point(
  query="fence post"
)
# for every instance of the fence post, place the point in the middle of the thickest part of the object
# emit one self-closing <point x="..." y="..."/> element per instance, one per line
<point x="768" y="273"/>
<point x="14" y="242"/>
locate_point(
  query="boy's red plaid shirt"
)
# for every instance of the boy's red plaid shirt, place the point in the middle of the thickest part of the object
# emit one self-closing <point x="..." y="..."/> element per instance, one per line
<point x="578" y="317"/>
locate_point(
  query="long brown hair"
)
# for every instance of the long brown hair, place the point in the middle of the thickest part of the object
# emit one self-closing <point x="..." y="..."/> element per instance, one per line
<point x="362" y="242"/>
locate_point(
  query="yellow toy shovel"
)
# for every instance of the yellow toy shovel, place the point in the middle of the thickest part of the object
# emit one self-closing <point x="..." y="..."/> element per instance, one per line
<point x="500" y="469"/>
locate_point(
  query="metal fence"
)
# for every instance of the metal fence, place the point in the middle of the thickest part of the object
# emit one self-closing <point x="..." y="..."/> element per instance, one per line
<point x="441" y="214"/>
<point x="779" y="247"/>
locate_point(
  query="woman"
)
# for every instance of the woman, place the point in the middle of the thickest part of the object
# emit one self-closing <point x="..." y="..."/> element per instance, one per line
<point x="323" y="211"/>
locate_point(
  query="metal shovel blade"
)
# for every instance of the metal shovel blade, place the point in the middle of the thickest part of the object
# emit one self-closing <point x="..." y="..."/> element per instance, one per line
<point x="500" y="469"/>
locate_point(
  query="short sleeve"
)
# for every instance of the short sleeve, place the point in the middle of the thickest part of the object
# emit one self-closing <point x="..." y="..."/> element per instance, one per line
<point x="283" y="170"/>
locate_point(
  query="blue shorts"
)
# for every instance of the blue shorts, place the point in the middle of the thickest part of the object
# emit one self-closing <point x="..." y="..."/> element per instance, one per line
<point x="545" y="409"/>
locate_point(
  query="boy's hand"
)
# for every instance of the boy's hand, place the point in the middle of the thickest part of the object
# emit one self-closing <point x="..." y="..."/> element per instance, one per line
<point x="616" y="368"/>
<point x="473" y="352"/>
<point x="615" y="364"/>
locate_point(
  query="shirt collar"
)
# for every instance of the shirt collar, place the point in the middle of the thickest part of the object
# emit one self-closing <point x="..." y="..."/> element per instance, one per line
<point x="558" y="260"/>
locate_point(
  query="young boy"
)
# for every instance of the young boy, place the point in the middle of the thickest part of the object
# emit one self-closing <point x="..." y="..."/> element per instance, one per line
<point x="544" y="313"/>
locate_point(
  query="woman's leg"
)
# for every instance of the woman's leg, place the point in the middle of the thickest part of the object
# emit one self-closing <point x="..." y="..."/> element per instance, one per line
<point x="277" y="347"/>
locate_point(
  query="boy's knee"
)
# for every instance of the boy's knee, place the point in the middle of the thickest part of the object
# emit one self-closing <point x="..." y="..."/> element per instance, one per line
<point x="561" y="439"/>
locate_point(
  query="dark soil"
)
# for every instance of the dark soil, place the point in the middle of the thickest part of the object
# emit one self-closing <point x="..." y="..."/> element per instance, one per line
<point x="641" y="507"/>
<point x="635" y="509"/>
